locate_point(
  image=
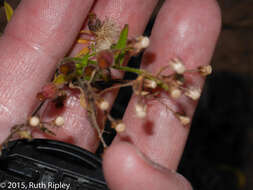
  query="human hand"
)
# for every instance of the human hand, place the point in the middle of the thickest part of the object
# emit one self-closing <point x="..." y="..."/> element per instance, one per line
<point x="42" y="32"/>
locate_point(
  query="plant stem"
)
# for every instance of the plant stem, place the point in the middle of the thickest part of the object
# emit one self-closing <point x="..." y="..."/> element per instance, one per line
<point x="146" y="74"/>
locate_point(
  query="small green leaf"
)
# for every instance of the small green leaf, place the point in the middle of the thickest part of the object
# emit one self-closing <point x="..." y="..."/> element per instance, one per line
<point x="119" y="59"/>
<point x="121" y="46"/>
<point x="81" y="64"/>
<point x="122" y="42"/>
<point x="8" y="10"/>
<point x="92" y="62"/>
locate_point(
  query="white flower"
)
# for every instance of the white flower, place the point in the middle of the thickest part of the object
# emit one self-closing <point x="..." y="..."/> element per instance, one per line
<point x="34" y="121"/>
<point x="177" y="66"/>
<point x="120" y="127"/>
<point x="193" y="93"/>
<point x="141" y="110"/>
<point x="104" y="105"/>
<point x="59" y="121"/>
<point x="150" y="83"/>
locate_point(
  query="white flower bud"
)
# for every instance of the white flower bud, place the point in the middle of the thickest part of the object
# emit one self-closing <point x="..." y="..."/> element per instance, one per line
<point x="193" y="93"/>
<point x="34" y="121"/>
<point x="205" y="70"/>
<point x="120" y="127"/>
<point x="150" y="83"/>
<point x="142" y="42"/>
<point x="140" y="110"/>
<point x="177" y="66"/>
<point x="175" y="93"/>
<point x="104" y="105"/>
<point x="184" y="119"/>
<point x="59" y="121"/>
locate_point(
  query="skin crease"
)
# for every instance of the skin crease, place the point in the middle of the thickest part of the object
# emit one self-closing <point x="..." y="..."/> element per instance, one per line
<point x="42" y="32"/>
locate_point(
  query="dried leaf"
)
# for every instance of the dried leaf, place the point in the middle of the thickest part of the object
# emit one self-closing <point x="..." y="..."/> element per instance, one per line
<point x="59" y="80"/>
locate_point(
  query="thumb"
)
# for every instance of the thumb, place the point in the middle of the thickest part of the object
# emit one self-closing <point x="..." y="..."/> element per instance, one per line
<point x="126" y="168"/>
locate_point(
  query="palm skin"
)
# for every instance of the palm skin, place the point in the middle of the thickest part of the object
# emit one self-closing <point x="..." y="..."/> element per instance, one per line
<point x="42" y="32"/>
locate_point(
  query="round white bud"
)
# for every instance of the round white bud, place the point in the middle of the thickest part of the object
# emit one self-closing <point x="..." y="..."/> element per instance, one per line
<point x="144" y="42"/>
<point x="140" y="110"/>
<point x="34" y="121"/>
<point x="184" y="119"/>
<point x="104" y="105"/>
<point x="120" y="127"/>
<point x="175" y="93"/>
<point x="59" y="121"/>
<point x="150" y="83"/>
<point x="177" y="66"/>
<point x="193" y="93"/>
<point x="205" y="70"/>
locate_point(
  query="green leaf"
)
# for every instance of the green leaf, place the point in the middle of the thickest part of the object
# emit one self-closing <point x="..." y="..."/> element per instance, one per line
<point x="8" y="11"/>
<point x="81" y="64"/>
<point x="121" y="46"/>
<point x="119" y="59"/>
<point x="122" y="42"/>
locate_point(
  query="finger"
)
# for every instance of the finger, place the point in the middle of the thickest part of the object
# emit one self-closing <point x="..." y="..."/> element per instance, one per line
<point x="126" y="168"/>
<point x="184" y="29"/>
<point x="39" y="34"/>
<point x="77" y="129"/>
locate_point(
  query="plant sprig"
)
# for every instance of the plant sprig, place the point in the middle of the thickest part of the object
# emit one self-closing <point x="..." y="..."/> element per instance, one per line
<point x="90" y="73"/>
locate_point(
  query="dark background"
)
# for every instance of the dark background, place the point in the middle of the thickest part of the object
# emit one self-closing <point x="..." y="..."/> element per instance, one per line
<point x="218" y="154"/>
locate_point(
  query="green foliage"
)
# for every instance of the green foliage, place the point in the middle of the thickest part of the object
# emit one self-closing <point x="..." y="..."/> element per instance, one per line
<point x="121" y="46"/>
<point x="122" y="42"/>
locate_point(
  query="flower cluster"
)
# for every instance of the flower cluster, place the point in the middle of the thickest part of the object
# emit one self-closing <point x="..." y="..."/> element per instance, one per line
<point x="107" y="48"/>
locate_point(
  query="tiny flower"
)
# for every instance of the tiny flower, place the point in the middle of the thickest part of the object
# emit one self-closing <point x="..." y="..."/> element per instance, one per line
<point x="106" y="35"/>
<point x="150" y="84"/>
<point x="142" y="42"/>
<point x="103" y="105"/>
<point x="205" y="70"/>
<point x="59" y="121"/>
<point x="120" y="127"/>
<point x="34" y="121"/>
<point x="141" y="110"/>
<point x="183" y="119"/>
<point x="193" y="93"/>
<point x="175" y="92"/>
<point x="177" y="66"/>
